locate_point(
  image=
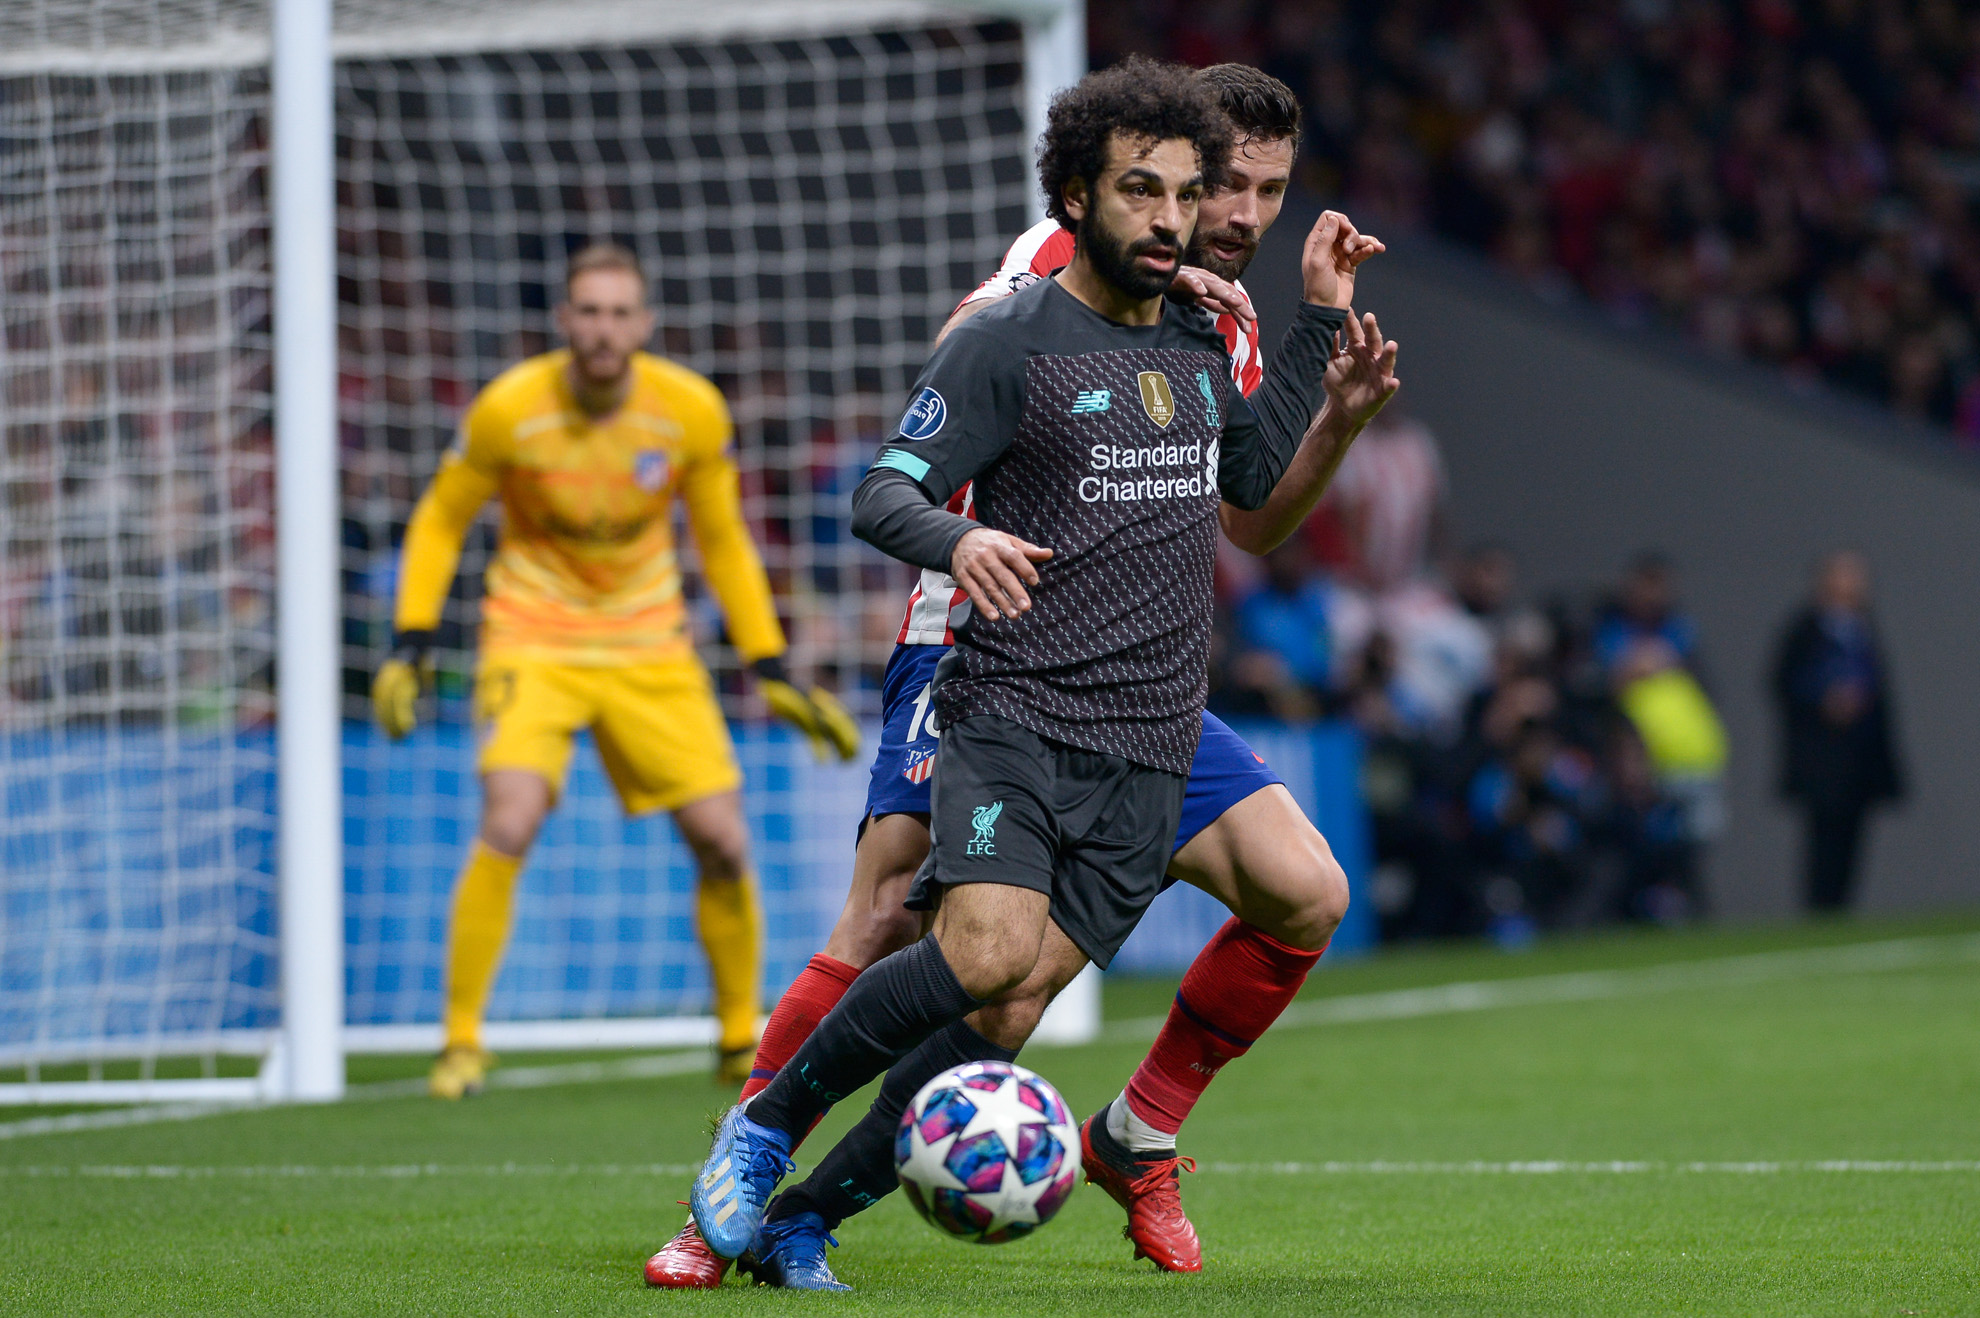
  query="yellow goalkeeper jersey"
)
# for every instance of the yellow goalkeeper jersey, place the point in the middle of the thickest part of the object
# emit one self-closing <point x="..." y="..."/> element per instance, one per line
<point x="585" y="570"/>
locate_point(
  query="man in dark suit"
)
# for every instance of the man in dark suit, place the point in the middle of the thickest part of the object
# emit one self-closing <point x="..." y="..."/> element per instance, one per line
<point x="1838" y="757"/>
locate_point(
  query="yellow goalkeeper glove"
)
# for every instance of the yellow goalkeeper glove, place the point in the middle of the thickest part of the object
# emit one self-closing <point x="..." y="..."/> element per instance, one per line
<point x="395" y="690"/>
<point x="818" y="715"/>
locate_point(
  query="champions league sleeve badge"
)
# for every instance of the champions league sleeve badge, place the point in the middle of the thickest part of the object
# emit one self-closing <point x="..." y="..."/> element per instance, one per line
<point x="924" y="416"/>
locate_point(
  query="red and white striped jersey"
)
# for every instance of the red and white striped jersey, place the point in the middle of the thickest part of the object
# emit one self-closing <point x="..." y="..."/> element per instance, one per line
<point x="938" y="603"/>
<point x="1043" y="250"/>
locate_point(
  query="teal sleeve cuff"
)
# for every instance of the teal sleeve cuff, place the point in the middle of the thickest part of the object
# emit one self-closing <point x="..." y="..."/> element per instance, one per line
<point x="899" y="460"/>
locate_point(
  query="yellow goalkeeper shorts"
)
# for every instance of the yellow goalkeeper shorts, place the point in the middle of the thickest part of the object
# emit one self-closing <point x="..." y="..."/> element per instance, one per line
<point x="658" y="727"/>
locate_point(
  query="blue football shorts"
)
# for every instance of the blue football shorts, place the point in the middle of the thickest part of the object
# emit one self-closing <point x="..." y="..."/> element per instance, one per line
<point x="1225" y="770"/>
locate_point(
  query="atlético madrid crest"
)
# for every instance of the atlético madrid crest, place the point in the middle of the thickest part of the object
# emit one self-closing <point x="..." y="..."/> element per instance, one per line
<point x="921" y="764"/>
<point x="1156" y="398"/>
<point x="650" y="470"/>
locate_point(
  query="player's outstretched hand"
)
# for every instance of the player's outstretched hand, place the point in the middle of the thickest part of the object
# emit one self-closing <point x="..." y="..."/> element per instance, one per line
<point x="818" y="715"/>
<point x="995" y="568"/>
<point x="1335" y="249"/>
<point x="1361" y="376"/>
<point x="395" y="690"/>
<point x="1219" y="297"/>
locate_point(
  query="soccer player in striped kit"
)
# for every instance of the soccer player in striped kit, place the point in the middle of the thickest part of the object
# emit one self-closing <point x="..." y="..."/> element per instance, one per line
<point x="1242" y="837"/>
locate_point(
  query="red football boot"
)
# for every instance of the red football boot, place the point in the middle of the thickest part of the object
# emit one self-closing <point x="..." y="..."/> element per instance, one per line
<point x="686" y="1263"/>
<point x="1150" y="1190"/>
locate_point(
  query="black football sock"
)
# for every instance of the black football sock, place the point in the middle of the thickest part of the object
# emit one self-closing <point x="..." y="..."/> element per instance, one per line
<point x="889" y="1010"/>
<point x="859" y="1171"/>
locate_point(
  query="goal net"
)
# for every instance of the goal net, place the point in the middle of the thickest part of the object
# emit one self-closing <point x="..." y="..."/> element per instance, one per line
<point x="811" y="186"/>
<point x="136" y="495"/>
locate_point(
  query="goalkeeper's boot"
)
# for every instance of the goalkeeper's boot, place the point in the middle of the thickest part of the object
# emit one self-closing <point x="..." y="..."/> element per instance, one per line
<point x="460" y="1070"/>
<point x="1149" y="1187"/>
<point x="686" y="1263"/>
<point x="736" y="1182"/>
<point x="790" y="1253"/>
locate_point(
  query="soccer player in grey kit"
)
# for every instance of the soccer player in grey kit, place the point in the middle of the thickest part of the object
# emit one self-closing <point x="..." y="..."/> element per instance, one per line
<point x="1101" y="427"/>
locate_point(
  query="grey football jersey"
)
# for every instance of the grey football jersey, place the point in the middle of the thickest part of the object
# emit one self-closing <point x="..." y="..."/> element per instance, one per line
<point x="1111" y="445"/>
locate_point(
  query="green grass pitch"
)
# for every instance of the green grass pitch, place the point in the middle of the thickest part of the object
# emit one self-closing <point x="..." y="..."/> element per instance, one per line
<point x="1737" y="1122"/>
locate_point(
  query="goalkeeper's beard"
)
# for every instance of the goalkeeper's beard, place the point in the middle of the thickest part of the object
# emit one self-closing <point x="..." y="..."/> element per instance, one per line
<point x="1115" y="261"/>
<point x="600" y="369"/>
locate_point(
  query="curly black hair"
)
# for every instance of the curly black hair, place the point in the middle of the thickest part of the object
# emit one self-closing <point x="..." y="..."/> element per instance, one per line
<point x="1141" y="98"/>
<point x="1262" y="108"/>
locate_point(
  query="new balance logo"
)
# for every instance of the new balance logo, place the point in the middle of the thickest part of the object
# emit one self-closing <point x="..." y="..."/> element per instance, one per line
<point x="984" y="817"/>
<point x="1093" y="400"/>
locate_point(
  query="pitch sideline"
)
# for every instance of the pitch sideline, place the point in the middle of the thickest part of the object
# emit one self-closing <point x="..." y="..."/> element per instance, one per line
<point x="1394" y="1004"/>
<point x="1601" y="985"/>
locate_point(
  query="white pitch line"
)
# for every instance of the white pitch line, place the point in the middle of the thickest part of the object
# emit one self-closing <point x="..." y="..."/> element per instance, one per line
<point x="1604" y="985"/>
<point x="669" y="1170"/>
<point x="515" y="1077"/>
<point x="1396" y="1004"/>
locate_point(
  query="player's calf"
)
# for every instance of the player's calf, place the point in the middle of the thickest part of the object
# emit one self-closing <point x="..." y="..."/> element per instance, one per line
<point x="875" y="922"/>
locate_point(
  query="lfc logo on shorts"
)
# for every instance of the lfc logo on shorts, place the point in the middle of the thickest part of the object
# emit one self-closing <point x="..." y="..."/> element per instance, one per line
<point x="1156" y="399"/>
<point x="650" y="470"/>
<point x="984" y="819"/>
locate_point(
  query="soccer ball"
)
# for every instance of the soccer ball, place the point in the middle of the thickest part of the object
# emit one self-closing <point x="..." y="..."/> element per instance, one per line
<point x="987" y="1152"/>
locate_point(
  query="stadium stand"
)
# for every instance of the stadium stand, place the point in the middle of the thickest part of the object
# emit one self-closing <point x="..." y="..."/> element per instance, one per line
<point x="1786" y="182"/>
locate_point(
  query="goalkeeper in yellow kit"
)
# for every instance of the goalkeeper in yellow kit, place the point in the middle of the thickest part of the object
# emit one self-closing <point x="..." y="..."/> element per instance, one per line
<point x="584" y="626"/>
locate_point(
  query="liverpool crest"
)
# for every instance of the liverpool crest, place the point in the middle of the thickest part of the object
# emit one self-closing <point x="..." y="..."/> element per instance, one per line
<point x="1156" y="399"/>
<point x="984" y="819"/>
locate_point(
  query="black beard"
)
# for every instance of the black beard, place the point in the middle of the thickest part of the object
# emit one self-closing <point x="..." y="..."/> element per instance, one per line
<point x="1202" y="257"/>
<point x="1114" y="260"/>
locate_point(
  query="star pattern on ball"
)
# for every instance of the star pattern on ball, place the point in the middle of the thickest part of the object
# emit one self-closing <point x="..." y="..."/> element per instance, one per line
<point x="1003" y="1154"/>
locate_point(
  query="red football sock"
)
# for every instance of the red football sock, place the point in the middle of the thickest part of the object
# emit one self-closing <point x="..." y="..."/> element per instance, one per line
<point x="811" y="996"/>
<point x="1237" y="986"/>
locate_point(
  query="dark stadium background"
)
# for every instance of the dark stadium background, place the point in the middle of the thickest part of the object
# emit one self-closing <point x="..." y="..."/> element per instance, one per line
<point x="1579" y="435"/>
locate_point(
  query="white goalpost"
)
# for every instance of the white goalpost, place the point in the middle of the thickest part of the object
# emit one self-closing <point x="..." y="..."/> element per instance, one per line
<point x="255" y="258"/>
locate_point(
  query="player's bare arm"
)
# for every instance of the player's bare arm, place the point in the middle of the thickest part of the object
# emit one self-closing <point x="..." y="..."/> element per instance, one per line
<point x="1334" y="252"/>
<point x="1361" y="378"/>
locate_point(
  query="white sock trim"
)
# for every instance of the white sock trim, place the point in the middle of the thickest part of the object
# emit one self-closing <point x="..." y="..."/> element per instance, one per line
<point x="1138" y="1135"/>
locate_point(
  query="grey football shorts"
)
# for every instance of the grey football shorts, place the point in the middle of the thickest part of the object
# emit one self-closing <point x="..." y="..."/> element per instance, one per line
<point x="1093" y="832"/>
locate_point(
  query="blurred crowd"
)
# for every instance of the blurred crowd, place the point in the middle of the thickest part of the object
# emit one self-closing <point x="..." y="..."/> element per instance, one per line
<point x="1787" y="180"/>
<point x="1528" y="766"/>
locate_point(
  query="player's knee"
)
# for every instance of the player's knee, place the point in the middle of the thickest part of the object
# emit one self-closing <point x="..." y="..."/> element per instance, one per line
<point x="1324" y="900"/>
<point x="990" y="962"/>
<point x="720" y="847"/>
<point x="722" y="859"/>
<point x="1009" y="1021"/>
<point x="875" y="924"/>
<point x="510" y="826"/>
<point x="514" y="804"/>
<point x="888" y="924"/>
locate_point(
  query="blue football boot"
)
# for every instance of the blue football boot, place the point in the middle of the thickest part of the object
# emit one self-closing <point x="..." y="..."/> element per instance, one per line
<point x="737" y="1181"/>
<point x="790" y="1252"/>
